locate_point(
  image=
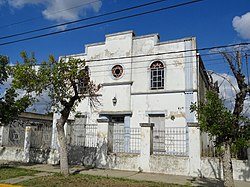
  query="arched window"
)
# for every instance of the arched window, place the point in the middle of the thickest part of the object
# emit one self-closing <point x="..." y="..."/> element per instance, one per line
<point x="157" y="75"/>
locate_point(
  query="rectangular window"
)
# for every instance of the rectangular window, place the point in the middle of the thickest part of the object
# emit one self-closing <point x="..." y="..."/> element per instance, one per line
<point x="157" y="78"/>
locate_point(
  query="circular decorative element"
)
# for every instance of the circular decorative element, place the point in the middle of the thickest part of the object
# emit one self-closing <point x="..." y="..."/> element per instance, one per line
<point x="117" y="71"/>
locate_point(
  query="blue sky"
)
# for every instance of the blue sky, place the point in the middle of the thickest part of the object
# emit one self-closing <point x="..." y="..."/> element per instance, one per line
<point x="211" y="21"/>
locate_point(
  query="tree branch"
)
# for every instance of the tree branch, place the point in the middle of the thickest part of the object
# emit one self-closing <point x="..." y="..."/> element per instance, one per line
<point x="230" y="63"/>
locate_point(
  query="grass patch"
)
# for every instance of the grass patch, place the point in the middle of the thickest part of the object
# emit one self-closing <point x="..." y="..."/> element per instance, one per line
<point x="12" y="172"/>
<point x="80" y="180"/>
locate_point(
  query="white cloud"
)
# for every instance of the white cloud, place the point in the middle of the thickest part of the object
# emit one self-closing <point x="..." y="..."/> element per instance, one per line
<point x="43" y="104"/>
<point x="5" y="86"/>
<point x="21" y="3"/>
<point x="58" y="10"/>
<point x="241" y="24"/>
<point x="70" y="14"/>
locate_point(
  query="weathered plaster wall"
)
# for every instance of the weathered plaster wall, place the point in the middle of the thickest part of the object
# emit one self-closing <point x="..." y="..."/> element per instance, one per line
<point x="158" y="163"/>
<point x="174" y="165"/>
<point x="81" y="155"/>
<point x="122" y="94"/>
<point x="39" y="155"/>
<point x="172" y="104"/>
<point x="124" y="161"/>
<point x="16" y="154"/>
<point x="212" y="168"/>
<point x="174" y="64"/>
<point x="12" y="154"/>
<point x="132" y="89"/>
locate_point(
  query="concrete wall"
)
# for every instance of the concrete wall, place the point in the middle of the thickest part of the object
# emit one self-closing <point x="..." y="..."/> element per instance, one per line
<point x="121" y="161"/>
<point x="39" y="155"/>
<point x="212" y="168"/>
<point x="174" y="165"/>
<point x="178" y="165"/>
<point x="12" y="154"/>
<point x="80" y="155"/>
<point x="17" y="154"/>
<point x="171" y="104"/>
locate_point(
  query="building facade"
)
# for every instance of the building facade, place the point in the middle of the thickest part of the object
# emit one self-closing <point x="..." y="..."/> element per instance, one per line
<point x="144" y="80"/>
<point x="147" y="87"/>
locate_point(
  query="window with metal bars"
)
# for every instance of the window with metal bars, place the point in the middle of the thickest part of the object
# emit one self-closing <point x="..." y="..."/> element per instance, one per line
<point x="157" y="75"/>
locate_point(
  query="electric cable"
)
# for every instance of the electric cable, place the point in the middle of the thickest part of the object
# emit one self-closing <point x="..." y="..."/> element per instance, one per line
<point x="99" y="23"/>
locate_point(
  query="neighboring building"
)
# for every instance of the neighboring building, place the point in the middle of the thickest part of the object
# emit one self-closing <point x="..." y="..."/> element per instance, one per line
<point x="27" y="138"/>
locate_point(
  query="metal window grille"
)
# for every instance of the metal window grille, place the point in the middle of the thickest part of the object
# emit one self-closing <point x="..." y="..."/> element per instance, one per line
<point x="16" y="134"/>
<point x="41" y="136"/>
<point x="172" y="141"/>
<point x="157" y="75"/>
<point x="126" y="140"/>
<point x="157" y="78"/>
<point x="83" y="135"/>
<point x="91" y="135"/>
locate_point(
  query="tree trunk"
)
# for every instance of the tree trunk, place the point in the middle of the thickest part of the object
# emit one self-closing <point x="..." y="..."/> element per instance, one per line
<point x="64" y="166"/>
<point x="227" y="166"/>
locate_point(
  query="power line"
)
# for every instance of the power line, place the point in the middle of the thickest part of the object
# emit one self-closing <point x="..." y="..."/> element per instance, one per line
<point x="97" y="73"/>
<point x="133" y="62"/>
<point x="102" y="22"/>
<point x="80" y="20"/>
<point x="148" y="55"/>
<point x="52" y="13"/>
<point x="164" y="53"/>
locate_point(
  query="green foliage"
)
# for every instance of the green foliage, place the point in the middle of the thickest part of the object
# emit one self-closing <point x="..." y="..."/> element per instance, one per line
<point x="10" y="107"/>
<point x="3" y="69"/>
<point x="215" y="119"/>
<point x="10" y="104"/>
<point x="59" y="79"/>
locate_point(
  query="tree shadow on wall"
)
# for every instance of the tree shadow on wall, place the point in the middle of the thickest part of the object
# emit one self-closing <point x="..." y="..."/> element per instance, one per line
<point x="246" y="171"/>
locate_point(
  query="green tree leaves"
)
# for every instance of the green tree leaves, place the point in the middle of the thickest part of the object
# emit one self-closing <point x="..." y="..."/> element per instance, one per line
<point x="11" y="105"/>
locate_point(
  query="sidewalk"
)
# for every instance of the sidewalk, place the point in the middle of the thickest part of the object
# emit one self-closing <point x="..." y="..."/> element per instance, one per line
<point x="175" y="179"/>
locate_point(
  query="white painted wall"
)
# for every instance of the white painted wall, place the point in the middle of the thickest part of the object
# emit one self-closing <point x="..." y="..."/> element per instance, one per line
<point x="12" y="154"/>
<point x="133" y="93"/>
<point x="168" y="104"/>
<point x="132" y="90"/>
<point x="212" y="168"/>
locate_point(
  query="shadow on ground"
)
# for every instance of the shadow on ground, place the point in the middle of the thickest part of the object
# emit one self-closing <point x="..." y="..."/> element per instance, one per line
<point x="206" y="182"/>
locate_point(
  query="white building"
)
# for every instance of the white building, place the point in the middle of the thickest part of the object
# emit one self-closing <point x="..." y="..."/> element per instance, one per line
<point x="144" y="80"/>
<point x="147" y="89"/>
